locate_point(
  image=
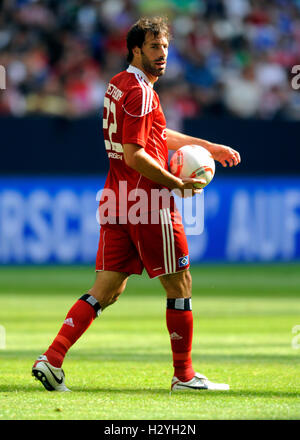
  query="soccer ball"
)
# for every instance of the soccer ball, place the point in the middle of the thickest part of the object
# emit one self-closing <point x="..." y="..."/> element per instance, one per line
<point x="193" y="161"/>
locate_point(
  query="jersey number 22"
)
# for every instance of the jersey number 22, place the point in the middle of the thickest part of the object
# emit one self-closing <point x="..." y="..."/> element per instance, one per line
<point x="110" y="107"/>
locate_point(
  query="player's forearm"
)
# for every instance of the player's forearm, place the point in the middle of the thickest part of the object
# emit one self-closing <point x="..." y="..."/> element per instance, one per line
<point x="143" y="163"/>
<point x="176" y="140"/>
<point x="223" y="154"/>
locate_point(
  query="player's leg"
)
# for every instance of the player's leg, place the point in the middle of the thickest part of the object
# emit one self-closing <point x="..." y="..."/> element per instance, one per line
<point x="164" y="251"/>
<point x="105" y="291"/>
<point x="178" y="284"/>
<point x="108" y="287"/>
<point x="179" y="319"/>
<point x="116" y="259"/>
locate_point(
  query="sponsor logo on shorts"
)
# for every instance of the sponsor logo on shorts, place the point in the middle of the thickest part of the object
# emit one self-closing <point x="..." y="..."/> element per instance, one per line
<point x="183" y="261"/>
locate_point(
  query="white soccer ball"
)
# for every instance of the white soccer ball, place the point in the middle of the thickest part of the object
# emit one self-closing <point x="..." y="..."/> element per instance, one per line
<point x="193" y="161"/>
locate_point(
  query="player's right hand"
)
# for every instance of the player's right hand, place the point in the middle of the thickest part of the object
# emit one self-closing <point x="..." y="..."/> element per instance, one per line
<point x="188" y="189"/>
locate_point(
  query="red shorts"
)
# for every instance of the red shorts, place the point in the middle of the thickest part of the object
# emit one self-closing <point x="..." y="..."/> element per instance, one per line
<point x="161" y="248"/>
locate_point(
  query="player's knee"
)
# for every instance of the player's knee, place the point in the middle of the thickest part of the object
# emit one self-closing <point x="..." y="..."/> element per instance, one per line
<point x="180" y="287"/>
<point x="108" y="298"/>
<point x="188" y="283"/>
<point x="116" y="295"/>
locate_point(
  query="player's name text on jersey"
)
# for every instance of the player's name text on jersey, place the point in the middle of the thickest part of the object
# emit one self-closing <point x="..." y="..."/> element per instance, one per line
<point x="112" y="155"/>
<point x="114" y="92"/>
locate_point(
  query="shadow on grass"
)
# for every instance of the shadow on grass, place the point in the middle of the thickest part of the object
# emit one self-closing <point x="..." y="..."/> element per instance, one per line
<point x="39" y="389"/>
<point x="121" y="355"/>
<point x="153" y="392"/>
<point x="226" y="394"/>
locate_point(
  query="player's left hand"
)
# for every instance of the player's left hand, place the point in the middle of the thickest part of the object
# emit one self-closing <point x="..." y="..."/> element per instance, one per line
<point x="225" y="155"/>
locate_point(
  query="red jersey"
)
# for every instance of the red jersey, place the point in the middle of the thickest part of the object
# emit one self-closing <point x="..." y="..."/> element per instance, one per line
<point x="132" y="114"/>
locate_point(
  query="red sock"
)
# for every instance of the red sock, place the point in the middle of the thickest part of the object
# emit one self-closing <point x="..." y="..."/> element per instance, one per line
<point x="180" y="326"/>
<point x="77" y="321"/>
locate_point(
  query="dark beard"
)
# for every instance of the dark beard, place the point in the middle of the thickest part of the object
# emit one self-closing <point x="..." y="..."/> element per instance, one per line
<point x="149" y="68"/>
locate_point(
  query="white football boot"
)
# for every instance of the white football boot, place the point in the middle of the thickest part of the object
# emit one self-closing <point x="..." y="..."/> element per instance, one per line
<point x="198" y="382"/>
<point x="52" y="378"/>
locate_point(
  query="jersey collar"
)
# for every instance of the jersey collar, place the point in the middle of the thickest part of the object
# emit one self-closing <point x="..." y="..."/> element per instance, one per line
<point x="133" y="69"/>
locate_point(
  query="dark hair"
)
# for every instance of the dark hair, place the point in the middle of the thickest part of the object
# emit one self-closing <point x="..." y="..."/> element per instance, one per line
<point x="137" y="33"/>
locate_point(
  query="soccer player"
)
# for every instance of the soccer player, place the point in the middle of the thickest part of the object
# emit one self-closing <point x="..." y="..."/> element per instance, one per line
<point x="137" y="143"/>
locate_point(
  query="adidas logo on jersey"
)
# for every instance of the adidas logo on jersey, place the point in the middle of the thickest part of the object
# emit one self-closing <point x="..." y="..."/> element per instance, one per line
<point x="175" y="336"/>
<point x="69" y="321"/>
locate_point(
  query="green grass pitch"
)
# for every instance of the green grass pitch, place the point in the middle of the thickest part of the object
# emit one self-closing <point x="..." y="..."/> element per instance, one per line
<point x="121" y="368"/>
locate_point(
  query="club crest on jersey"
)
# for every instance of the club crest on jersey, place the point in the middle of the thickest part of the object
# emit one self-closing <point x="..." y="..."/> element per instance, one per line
<point x="183" y="261"/>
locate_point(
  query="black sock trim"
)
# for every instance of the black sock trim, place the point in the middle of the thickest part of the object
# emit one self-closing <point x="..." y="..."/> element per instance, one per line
<point x="91" y="300"/>
<point x="179" y="303"/>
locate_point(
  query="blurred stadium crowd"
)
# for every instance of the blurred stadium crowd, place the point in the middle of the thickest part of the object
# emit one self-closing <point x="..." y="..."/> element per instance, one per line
<point x="227" y="57"/>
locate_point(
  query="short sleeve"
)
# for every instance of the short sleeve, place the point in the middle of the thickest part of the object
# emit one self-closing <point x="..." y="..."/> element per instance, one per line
<point x="138" y="116"/>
